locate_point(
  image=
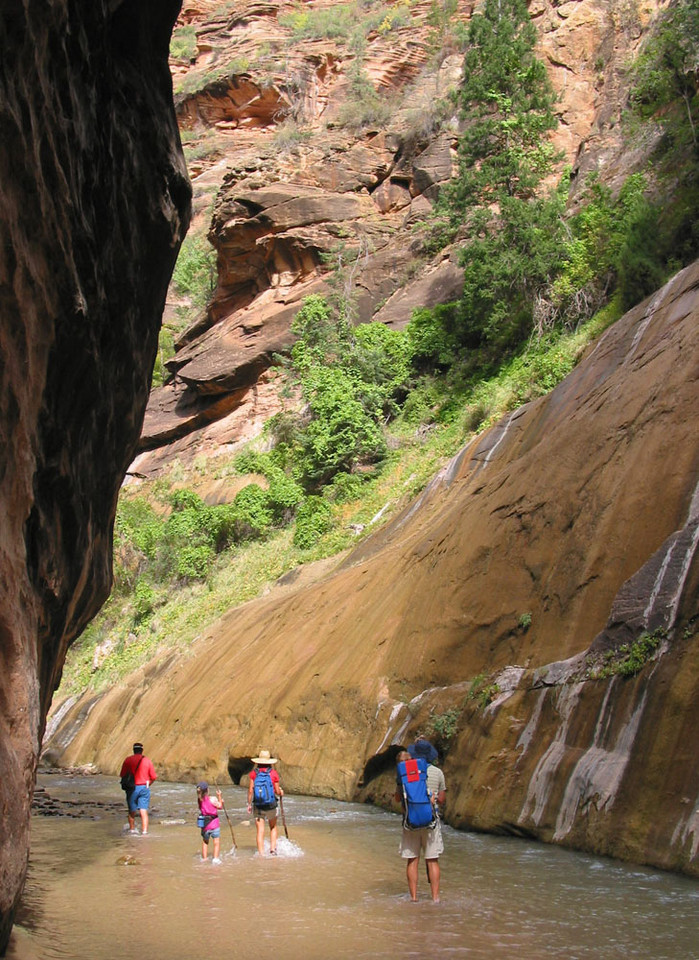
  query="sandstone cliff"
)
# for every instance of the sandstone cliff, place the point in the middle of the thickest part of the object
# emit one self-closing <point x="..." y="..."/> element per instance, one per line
<point x="500" y="601"/>
<point x="93" y="206"/>
<point x="288" y="209"/>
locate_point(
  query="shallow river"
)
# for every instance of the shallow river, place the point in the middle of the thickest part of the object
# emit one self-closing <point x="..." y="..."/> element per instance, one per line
<point x="336" y="890"/>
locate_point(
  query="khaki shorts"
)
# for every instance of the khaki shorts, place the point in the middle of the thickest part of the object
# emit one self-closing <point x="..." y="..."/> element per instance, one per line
<point x="428" y="841"/>
<point x="265" y="814"/>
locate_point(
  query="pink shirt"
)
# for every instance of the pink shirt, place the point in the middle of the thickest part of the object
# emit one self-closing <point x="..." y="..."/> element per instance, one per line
<point x="207" y="807"/>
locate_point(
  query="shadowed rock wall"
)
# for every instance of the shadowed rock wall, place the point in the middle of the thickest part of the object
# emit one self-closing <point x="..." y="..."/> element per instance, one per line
<point x="580" y="510"/>
<point x="94" y="202"/>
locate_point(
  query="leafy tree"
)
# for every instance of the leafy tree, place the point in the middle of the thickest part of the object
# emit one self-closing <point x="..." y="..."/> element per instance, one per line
<point x="350" y="378"/>
<point x="506" y="103"/>
<point x="494" y="204"/>
<point x="612" y="243"/>
<point x="665" y="72"/>
<point x="313" y="520"/>
<point x="340" y="433"/>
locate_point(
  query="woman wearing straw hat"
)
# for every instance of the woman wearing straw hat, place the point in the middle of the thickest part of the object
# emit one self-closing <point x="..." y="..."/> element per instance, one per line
<point x="263" y="791"/>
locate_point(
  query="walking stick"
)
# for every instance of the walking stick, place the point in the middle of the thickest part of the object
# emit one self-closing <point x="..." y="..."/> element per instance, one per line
<point x="223" y="807"/>
<point x="281" y="807"/>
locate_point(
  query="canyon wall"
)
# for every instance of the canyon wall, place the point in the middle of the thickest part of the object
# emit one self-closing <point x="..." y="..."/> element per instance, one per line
<point x="296" y="189"/>
<point x="94" y="202"/>
<point x="507" y="603"/>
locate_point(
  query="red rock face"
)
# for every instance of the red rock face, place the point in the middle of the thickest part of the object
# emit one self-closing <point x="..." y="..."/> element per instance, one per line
<point x="93" y="205"/>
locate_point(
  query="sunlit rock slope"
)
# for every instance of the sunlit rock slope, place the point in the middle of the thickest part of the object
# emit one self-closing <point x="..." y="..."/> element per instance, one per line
<point x="500" y="599"/>
<point x="94" y="201"/>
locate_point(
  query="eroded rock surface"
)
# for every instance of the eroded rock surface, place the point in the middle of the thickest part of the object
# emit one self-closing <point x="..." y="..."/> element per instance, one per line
<point x="93" y="205"/>
<point x="567" y="529"/>
<point x="287" y="211"/>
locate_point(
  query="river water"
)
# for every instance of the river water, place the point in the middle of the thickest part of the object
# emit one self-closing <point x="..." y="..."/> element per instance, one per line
<point x="336" y="890"/>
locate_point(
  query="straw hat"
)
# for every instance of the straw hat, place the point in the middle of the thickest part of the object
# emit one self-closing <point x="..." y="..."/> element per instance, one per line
<point x="265" y="758"/>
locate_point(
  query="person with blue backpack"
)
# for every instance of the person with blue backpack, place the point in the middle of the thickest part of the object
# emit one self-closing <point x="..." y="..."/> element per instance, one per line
<point x="421" y="790"/>
<point x="263" y="791"/>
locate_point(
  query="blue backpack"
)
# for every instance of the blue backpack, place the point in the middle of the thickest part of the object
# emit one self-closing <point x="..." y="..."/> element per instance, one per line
<point x="418" y="810"/>
<point x="263" y="796"/>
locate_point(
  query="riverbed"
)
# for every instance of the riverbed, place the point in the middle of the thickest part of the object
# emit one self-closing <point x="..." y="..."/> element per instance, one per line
<point x="336" y="890"/>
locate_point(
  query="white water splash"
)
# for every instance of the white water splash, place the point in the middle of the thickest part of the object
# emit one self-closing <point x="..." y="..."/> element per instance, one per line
<point x="542" y="779"/>
<point x="289" y="849"/>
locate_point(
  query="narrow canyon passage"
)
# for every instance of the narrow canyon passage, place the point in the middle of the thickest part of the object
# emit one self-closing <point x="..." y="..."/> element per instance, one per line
<point x="337" y="889"/>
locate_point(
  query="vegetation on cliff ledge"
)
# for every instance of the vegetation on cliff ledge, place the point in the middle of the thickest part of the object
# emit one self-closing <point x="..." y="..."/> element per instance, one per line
<point x="384" y="409"/>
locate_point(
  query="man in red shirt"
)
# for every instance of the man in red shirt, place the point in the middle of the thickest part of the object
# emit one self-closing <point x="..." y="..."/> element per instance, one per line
<point x="138" y="798"/>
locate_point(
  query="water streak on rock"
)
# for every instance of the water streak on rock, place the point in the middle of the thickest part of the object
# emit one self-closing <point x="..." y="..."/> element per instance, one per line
<point x="684" y="570"/>
<point x="597" y="775"/>
<point x="544" y="775"/>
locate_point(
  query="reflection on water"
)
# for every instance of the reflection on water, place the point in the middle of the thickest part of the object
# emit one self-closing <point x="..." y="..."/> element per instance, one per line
<point x="336" y="890"/>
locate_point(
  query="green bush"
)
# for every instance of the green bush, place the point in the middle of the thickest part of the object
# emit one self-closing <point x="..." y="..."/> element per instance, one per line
<point x="143" y="599"/>
<point x="193" y="562"/>
<point x="313" y="519"/>
<point x="433" y="336"/>
<point x="630" y="658"/>
<point x="345" y="487"/>
<point x="253" y="461"/>
<point x="194" y="275"/>
<point x="283" y="496"/>
<point x="253" y="513"/>
<point x="184" y="499"/>
<point x="183" y="45"/>
<point x="340" y="432"/>
<point x="444" y="725"/>
<point x="138" y="523"/>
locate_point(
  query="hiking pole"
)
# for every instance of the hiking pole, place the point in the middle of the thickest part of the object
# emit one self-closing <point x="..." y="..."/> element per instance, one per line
<point x="223" y="807"/>
<point x="281" y="807"/>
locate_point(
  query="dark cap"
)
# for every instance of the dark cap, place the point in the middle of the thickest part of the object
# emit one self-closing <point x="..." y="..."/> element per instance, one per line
<point x="137" y="747"/>
<point x="424" y="749"/>
<point x="203" y="786"/>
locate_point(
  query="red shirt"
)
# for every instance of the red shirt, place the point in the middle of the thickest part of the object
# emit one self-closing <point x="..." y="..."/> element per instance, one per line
<point x="274" y="776"/>
<point x="145" y="773"/>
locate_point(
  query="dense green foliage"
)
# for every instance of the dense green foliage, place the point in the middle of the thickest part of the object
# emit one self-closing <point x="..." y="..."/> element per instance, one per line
<point x="349" y="378"/>
<point x="510" y="234"/>
<point x="665" y="72"/>
<point x="183" y="45"/>
<point x="194" y="275"/>
<point x="527" y="267"/>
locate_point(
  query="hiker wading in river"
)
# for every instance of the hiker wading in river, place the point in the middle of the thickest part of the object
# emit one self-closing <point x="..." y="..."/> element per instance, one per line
<point x="208" y="821"/>
<point x="263" y="792"/>
<point x="421" y="790"/>
<point x="137" y="774"/>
